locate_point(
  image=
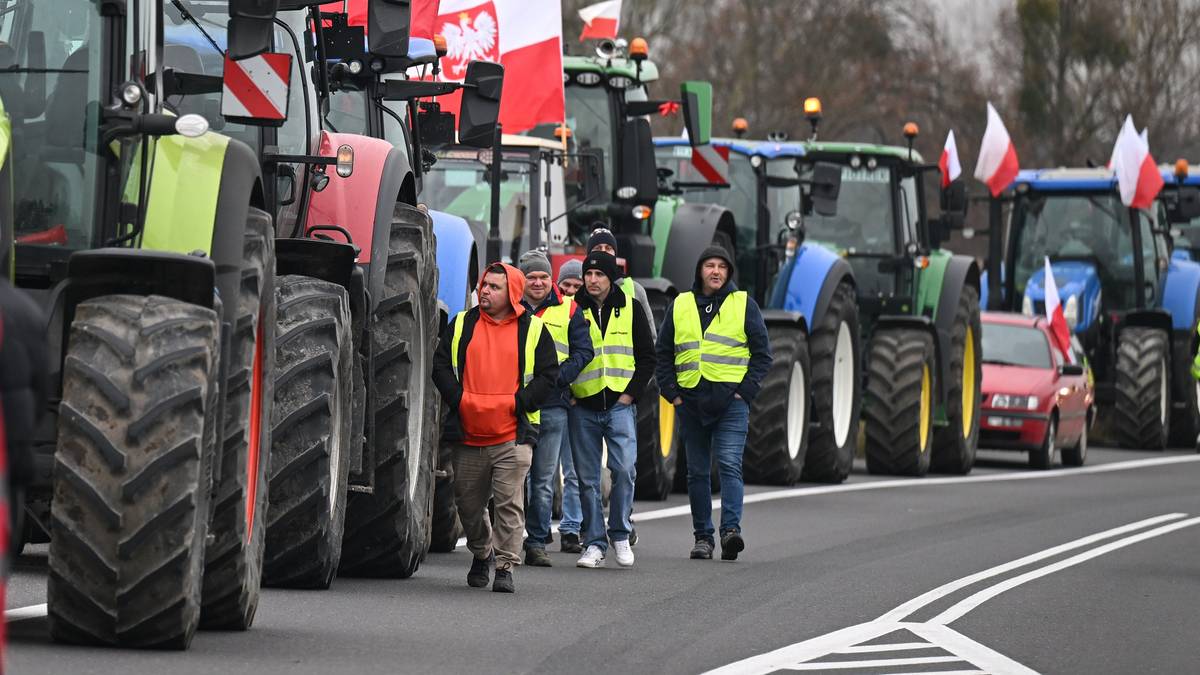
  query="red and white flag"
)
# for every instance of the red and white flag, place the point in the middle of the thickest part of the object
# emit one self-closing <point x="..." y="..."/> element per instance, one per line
<point x="948" y="164"/>
<point x="1138" y="177"/>
<point x="1054" y="314"/>
<point x="424" y="15"/>
<point x="997" y="165"/>
<point x="524" y="36"/>
<point x="601" y="20"/>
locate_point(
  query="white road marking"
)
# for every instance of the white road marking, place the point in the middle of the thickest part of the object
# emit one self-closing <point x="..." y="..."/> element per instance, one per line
<point x="22" y="613"/>
<point x="874" y="663"/>
<point x="803" y="655"/>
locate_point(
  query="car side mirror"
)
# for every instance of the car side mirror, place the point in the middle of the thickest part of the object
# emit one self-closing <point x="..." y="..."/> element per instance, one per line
<point x="388" y="23"/>
<point x="1070" y="369"/>
<point x="480" y="107"/>
<point x="697" y="98"/>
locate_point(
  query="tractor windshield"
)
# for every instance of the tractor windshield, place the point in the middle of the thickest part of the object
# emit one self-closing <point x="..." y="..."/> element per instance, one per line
<point x="51" y="87"/>
<point x="460" y="184"/>
<point x="590" y="119"/>
<point x="864" y="221"/>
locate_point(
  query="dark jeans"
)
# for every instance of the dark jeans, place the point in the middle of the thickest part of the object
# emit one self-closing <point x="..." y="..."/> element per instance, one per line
<point x="542" y="474"/>
<point x="725" y="436"/>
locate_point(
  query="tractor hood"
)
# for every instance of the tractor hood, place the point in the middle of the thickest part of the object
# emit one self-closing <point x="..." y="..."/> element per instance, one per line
<point x="1078" y="290"/>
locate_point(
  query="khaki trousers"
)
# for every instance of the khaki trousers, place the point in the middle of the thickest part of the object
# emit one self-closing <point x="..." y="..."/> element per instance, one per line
<point x="482" y="473"/>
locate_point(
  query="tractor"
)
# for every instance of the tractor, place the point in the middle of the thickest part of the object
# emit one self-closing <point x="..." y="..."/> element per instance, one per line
<point x="805" y="422"/>
<point x="1131" y="303"/>
<point x="149" y="241"/>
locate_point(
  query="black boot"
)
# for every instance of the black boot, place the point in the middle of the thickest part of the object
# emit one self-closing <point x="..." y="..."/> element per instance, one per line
<point x="478" y="576"/>
<point x="703" y="549"/>
<point x="731" y="544"/>
<point x="570" y="543"/>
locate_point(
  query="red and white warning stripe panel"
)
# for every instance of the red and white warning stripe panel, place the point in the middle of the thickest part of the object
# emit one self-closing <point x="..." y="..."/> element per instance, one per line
<point x="712" y="162"/>
<point x="256" y="89"/>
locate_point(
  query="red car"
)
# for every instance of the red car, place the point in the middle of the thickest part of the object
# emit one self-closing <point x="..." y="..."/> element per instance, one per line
<point x="1032" y="399"/>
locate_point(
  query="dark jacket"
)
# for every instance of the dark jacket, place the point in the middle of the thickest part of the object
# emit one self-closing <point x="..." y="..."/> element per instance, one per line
<point x="528" y="397"/>
<point x="708" y="400"/>
<point x="643" y="346"/>
<point x="580" y="350"/>
<point x="23" y="384"/>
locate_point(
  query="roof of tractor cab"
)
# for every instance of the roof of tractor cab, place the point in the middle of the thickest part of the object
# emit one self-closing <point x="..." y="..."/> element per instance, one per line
<point x="767" y="149"/>
<point x="1168" y="174"/>
<point x="1067" y="179"/>
<point x="614" y="66"/>
<point x="772" y="150"/>
<point x="846" y="148"/>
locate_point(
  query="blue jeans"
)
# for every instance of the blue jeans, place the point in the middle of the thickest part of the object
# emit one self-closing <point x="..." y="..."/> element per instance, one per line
<point x="572" y="512"/>
<point x="589" y="430"/>
<point x="541" y="476"/>
<point x="726" y="436"/>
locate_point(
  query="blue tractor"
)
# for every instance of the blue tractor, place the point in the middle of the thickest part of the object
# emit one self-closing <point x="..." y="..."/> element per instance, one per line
<point x="805" y="422"/>
<point x="1132" y="304"/>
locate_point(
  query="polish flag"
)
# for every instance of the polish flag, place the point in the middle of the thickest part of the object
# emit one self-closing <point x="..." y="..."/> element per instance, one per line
<point x="1137" y="176"/>
<point x="997" y="165"/>
<point x="1054" y="314"/>
<point x="601" y="20"/>
<point x="948" y="163"/>
<point x="524" y="36"/>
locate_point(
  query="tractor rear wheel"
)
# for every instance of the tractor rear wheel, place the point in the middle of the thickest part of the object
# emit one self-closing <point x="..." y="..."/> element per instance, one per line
<point x="133" y="472"/>
<point x="311" y="433"/>
<point x="1143" y="389"/>
<point x="954" y="445"/>
<point x="237" y="533"/>
<point x="836" y="399"/>
<point x="387" y="531"/>
<point x="898" y="409"/>
<point x="778" y="433"/>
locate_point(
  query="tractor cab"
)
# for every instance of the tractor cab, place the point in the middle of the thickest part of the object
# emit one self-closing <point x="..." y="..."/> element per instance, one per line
<point x="1181" y="197"/>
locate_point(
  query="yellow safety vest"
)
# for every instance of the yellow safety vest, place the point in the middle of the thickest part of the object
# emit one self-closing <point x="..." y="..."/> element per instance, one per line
<point x="558" y="321"/>
<point x="721" y="354"/>
<point x="531" y="340"/>
<point x="613" y="364"/>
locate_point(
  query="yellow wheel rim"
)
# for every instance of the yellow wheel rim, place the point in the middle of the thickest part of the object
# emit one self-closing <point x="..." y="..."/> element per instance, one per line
<point x="968" y="383"/>
<point x="926" y="399"/>
<point x="666" y="426"/>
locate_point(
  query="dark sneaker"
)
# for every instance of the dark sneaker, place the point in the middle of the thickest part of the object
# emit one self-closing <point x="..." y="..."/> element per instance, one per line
<point x="703" y="549"/>
<point x="570" y="543"/>
<point x="478" y="576"/>
<point x="536" y="557"/>
<point x="731" y="545"/>
<point x="504" y="582"/>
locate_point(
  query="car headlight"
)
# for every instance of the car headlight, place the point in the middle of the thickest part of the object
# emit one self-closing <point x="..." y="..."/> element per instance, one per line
<point x="1014" y="401"/>
<point x="1027" y="306"/>
<point x="1071" y="311"/>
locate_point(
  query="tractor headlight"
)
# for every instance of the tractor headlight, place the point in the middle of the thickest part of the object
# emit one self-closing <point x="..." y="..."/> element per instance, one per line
<point x="1027" y="306"/>
<point x="1071" y="311"/>
<point x="1015" y="402"/>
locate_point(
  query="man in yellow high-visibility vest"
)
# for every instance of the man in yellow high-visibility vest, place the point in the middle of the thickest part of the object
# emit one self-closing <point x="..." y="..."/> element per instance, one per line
<point x="603" y="409"/>
<point x="713" y="353"/>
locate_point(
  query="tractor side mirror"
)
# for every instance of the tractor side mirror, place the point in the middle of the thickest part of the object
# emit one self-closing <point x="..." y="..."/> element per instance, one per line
<point x="639" y="171"/>
<point x="388" y="23"/>
<point x="285" y="184"/>
<point x="954" y="200"/>
<point x="697" y="98"/>
<point x="1070" y="370"/>
<point x="251" y="23"/>
<point x="1185" y="207"/>
<point x="480" y="104"/>
<point x="824" y="188"/>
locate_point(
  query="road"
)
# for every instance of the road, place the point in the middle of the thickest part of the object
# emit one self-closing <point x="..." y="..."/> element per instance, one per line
<point x="1006" y="570"/>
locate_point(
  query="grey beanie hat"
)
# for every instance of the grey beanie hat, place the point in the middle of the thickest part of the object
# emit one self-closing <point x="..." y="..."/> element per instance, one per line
<point x="572" y="269"/>
<point x="534" y="261"/>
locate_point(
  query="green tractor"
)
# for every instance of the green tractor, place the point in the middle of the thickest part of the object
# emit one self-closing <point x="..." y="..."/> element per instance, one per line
<point x="149" y="242"/>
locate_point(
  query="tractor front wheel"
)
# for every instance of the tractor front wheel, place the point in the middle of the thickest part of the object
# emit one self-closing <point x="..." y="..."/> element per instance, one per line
<point x="778" y="435"/>
<point x="899" y="403"/>
<point x="1143" y="389"/>
<point x="954" y="445"/>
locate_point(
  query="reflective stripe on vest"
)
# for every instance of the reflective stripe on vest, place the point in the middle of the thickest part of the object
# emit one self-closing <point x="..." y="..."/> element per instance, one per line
<point x="531" y="340"/>
<point x="721" y="354"/>
<point x="558" y="320"/>
<point x="613" y="364"/>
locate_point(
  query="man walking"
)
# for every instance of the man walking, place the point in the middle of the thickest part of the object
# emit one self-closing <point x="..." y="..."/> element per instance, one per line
<point x="570" y="282"/>
<point x="603" y="411"/>
<point x="573" y="345"/>
<point x="602" y="239"/>
<point x="495" y="367"/>
<point x="713" y="353"/>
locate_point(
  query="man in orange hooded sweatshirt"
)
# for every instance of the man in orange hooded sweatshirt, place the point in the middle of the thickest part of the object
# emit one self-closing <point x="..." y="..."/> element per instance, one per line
<point x="495" y="367"/>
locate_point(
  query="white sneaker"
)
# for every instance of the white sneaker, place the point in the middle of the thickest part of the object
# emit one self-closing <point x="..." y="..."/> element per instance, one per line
<point x="593" y="558"/>
<point x="624" y="553"/>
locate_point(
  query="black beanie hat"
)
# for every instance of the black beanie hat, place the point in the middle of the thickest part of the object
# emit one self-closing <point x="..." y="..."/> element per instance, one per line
<point x="602" y="262"/>
<point x="601" y="235"/>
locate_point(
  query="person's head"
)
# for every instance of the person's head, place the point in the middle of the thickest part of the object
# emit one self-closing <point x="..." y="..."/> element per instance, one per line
<point x="602" y="239"/>
<point x="536" y="268"/>
<point x="493" y="292"/>
<point x="570" y="277"/>
<point x="599" y="272"/>
<point x="714" y="270"/>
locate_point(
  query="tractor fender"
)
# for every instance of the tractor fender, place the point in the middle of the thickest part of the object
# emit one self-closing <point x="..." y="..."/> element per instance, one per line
<point x="331" y="261"/>
<point x="457" y="261"/>
<point x="812" y="277"/>
<point x="133" y="271"/>
<point x="692" y="231"/>
<point x="658" y="284"/>
<point x="960" y="271"/>
<point x="1181" y="293"/>
<point x="782" y="317"/>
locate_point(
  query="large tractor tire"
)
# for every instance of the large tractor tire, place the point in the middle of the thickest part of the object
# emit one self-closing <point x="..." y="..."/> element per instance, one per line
<point x="133" y="472"/>
<point x="954" y="445"/>
<point x="836" y="399"/>
<point x="446" y="528"/>
<point x="387" y="532"/>
<point x="1143" y="389"/>
<point x="777" y="439"/>
<point x="898" y="409"/>
<point x="237" y="533"/>
<point x="311" y="433"/>
<point x="1185" y="419"/>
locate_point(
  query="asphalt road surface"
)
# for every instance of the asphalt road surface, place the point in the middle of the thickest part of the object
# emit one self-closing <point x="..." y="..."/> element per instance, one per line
<point x="1007" y="570"/>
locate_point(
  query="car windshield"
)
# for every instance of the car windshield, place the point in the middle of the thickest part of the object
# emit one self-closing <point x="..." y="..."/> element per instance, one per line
<point x="51" y="90"/>
<point x="864" y="222"/>
<point x="1010" y="345"/>
<point x="459" y="184"/>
